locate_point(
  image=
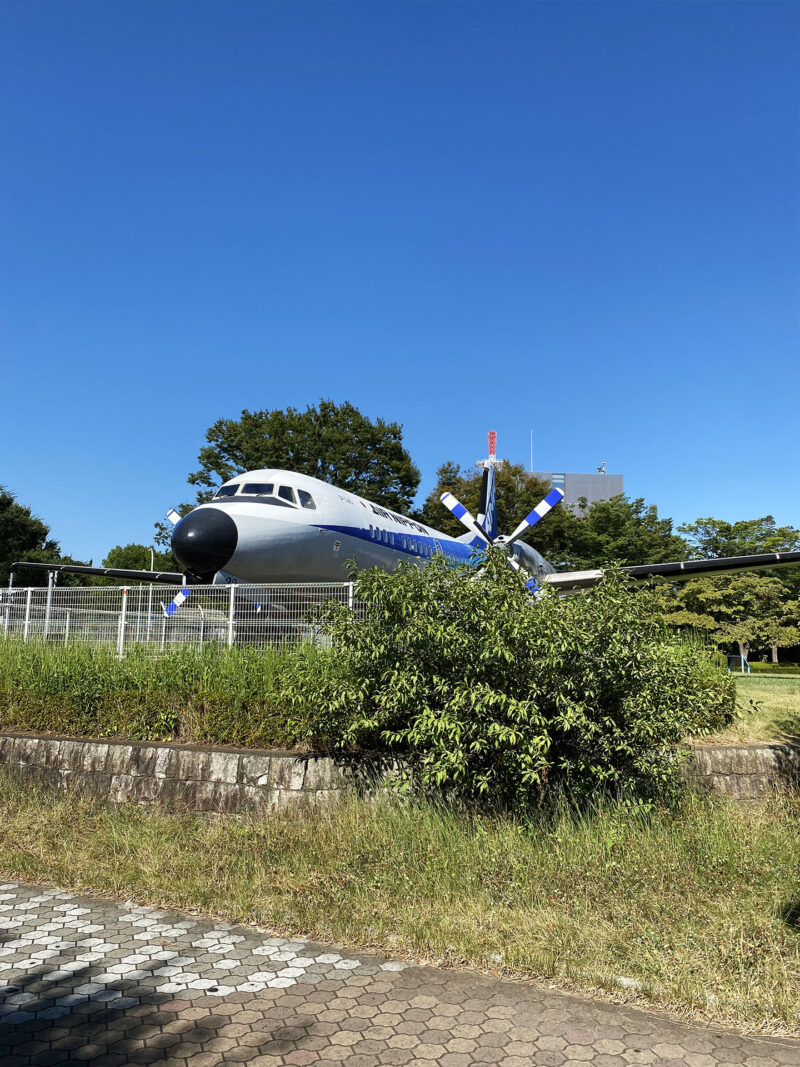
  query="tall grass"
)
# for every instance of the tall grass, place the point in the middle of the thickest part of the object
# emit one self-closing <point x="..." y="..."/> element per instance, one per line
<point x="210" y="694"/>
<point x="699" y="904"/>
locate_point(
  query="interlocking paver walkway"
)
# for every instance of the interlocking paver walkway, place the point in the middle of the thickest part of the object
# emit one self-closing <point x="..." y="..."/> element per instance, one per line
<point x="89" y="981"/>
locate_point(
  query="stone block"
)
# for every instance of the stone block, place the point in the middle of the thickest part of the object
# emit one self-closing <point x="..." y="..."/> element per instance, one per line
<point x="121" y="788"/>
<point x="72" y="755"/>
<point x="50" y="752"/>
<point x="120" y="759"/>
<point x="95" y="757"/>
<point x="199" y="796"/>
<point x="289" y="800"/>
<point x="98" y="784"/>
<point x="227" y="797"/>
<point x="287" y="772"/>
<point x="254" y="769"/>
<point x="145" y="789"/>
<point x="166" y="763"/>
<point x="193" y="764"/>
<point x="143" y="760"/>
<point x="223" y="767"/>
<point x="323" y="773"/>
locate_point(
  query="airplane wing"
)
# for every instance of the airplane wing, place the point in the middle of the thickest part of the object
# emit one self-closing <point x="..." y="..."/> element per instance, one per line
<point x="685" y="569"/>
<point x="167" y="577"/>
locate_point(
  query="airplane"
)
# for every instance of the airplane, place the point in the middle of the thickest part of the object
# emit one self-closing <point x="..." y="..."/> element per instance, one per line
<point x="276" y="526"/>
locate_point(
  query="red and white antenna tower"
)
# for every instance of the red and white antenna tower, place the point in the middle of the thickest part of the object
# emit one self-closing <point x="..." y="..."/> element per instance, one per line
<point x="492" y="460"/>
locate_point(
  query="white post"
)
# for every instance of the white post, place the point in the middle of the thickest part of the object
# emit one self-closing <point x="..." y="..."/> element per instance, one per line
<point x="350" y="595"/>
<point x="26" y="627"/>
<point x="5" y="625"/>
<point x="202" y="623"/>
<point x="231" y="610"/>
<point x="122" y="619"/>
<point x="49" y="605"/>
<point x="66" y="630"/>
<point x="149" y="610"/>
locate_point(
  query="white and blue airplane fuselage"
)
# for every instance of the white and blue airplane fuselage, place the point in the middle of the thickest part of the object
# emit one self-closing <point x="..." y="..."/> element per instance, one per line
<point x="279" y="526"/>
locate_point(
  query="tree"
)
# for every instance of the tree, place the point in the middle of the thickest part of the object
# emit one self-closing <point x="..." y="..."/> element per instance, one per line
<point x="749" y="609"/>
<point x="23" y="536"/>
<point x="711" y="538"/>
<point x="625" y="531"/>
<point x="137" y="558"/>
<point x="332" y="442"/>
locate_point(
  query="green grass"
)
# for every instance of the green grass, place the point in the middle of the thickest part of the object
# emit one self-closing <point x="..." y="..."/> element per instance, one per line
<point x="776" y="717"/>
<point x="699" y="904"/>
<point x="209" y="695"/>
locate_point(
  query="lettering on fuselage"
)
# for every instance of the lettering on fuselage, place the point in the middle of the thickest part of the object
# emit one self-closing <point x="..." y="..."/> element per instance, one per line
<point x="390" y="515"/>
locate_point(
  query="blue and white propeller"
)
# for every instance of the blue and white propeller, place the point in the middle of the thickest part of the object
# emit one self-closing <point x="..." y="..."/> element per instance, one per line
<point x="465" y="516"/>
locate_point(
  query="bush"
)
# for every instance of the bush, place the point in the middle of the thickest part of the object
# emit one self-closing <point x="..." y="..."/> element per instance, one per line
<point x="774" y="668"/>
<point x="488" y="693"/>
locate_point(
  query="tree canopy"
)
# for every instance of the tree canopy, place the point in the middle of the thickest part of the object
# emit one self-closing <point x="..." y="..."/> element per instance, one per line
<point x="333" y="442"/>
<point x="750" y="610"/>
<point x="24" y="536"/>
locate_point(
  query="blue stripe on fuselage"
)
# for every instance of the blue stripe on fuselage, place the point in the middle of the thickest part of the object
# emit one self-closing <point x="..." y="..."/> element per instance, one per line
<point x="457" y="550"/>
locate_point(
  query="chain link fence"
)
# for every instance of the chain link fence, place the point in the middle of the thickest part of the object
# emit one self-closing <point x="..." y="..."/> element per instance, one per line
<point x="260" y="615"/>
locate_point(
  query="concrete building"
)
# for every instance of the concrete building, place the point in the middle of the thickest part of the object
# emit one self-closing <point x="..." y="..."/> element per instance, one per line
<point x="599" y="486"/>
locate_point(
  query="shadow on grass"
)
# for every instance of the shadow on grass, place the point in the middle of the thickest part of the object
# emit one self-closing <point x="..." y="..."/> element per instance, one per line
<point x="790" y="914"/>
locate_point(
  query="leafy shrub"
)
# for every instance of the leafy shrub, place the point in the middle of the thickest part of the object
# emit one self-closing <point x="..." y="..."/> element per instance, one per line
<point x="488" y="693"/>
<point x="774" y="668"/>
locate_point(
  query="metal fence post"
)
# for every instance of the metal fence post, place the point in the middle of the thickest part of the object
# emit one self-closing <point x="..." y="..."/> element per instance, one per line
<point x="66" y="630"/>
<point x="26" y="627"/>
<point x="231" y="610"/>
<point x="49" y="605"/>
<point x="149" y="610"/>
<point x="350" y="589"/>
<point x="122" y="619"/>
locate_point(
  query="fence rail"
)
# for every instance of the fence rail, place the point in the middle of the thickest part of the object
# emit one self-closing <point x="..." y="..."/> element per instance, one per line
<point x="261" y="615"/>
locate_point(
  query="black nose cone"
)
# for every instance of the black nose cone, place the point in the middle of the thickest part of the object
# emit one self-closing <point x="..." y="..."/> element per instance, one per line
<point x="204" y="541"/>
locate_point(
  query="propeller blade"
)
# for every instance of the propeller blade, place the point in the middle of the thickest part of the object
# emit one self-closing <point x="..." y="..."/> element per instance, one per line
<point x="177" y="602"/>
<point x="541" y="509"/>
<point x="173" y="516"/>
<point x="464" y="516"/>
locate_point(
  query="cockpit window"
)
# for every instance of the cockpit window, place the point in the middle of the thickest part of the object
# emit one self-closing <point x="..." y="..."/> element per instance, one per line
<point x="306" y="499"/>
<point x="258" y="488"/>
<point x="226" y="490"/>
<point x="286" y="493"/>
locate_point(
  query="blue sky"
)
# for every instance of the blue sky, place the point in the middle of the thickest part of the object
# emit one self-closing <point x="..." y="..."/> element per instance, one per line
<point x="581" y="218"/>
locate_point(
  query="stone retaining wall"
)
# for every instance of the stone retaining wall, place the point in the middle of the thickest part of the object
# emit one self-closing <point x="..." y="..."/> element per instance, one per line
<point x="202" y="779"/>
<point x="745" y="771"/>
<point x="242" y="780"/>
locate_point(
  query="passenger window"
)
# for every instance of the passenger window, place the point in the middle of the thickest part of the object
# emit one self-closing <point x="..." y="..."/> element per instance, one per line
<point x="258" y="488"/>
<point x="306" y="500"/>
<point x="285" y="492"/>
<point x="226" y="490"/>
<point x="405" y="543"/>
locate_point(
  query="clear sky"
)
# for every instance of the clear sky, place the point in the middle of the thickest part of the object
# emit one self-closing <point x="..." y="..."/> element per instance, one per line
<point x="581" y="218"/>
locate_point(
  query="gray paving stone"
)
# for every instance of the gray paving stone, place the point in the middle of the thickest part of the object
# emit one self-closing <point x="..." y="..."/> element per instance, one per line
<point x="84" y="981"/>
